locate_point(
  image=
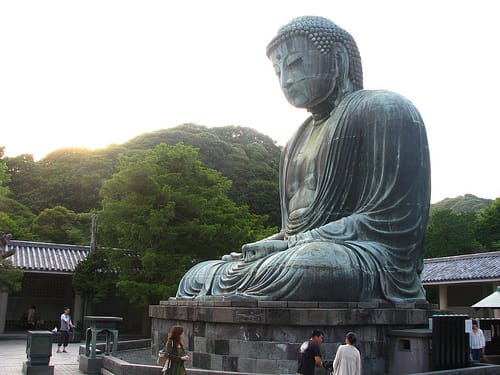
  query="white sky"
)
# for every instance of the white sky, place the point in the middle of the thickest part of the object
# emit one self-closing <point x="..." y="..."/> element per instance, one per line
<point x="93" y="73"/>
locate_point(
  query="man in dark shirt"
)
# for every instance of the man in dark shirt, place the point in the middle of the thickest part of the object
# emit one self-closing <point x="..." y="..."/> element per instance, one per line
<point x="310" y="354"/>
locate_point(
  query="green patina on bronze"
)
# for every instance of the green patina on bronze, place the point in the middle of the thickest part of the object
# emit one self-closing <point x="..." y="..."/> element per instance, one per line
<point x="354" y="187"/>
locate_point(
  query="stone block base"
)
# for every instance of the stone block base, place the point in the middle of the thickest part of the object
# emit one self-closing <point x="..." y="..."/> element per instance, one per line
<point x="264" y="337"/>
<point x="37" y="370"/>
<point x="90" y="365"/>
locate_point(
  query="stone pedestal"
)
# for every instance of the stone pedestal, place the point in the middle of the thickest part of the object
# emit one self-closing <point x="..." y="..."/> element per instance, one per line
<point x="90" y="365"/>
<point x="410" y="351"/>
<point x="29" y="369"/>
<point x="264" y="337"/>
<point x="38" y="351"/>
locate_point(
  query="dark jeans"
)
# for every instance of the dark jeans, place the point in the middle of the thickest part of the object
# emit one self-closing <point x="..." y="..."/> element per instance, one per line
<point x="476" y="354"/>
<point x="63" y="338"/>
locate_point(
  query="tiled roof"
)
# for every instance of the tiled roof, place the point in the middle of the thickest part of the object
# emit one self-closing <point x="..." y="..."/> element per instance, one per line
<point x="46" y="257"/>
<point x="481" y="266"/>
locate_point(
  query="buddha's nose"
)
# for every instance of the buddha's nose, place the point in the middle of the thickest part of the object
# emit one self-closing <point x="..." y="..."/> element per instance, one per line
<point x="286" y="80"/>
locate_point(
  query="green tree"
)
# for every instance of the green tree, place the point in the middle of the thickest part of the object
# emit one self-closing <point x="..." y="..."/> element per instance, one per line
<point x="170" y="211"/>
<point x="69" y="177"/>
<point x="74" y="177"/>
<point x="450" y="233"/>
<point x="243" y="155"/>
<point x="4" y="176"/>
<point x="10" y="277"/>
<point x="26" y="181"/>
<point x="488" y="226"/>
<point x="7" y="225"/>
<point x="95" y="277"/>
<point x="15" y="218"/>
<point x="61" y="225"/>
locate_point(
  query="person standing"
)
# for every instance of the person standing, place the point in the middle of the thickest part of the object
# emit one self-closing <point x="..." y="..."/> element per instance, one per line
<point x="310" y="353"/>
<point x="347" y="360"/>
<point x="31" y="319"/>
<point x="477" y="342"/>
<point x="66" y="326"/>
<point x="176" y="354"/>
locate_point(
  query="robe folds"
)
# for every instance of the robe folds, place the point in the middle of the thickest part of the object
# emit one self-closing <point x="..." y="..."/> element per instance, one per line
<point x="361" y="238"/>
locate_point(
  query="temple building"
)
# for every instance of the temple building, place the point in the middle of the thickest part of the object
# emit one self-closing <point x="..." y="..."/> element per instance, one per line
<point x="48" y="285"/>
<point x="456" y="283"/>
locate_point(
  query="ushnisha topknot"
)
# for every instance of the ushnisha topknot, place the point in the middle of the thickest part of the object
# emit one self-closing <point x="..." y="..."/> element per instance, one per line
<point x="323" y="33"/>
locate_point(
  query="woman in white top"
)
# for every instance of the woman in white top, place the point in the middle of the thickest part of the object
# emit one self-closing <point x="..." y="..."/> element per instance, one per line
<point x="347" y="360"/>
<point x="477" y="342"/>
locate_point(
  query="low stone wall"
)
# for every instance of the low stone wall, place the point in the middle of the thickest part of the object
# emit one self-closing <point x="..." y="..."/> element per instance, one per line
<point x="122" y="345"/>
<point x="264" y="337"/>
<point x="476" y="370"/>
<point x="116" y="366"/>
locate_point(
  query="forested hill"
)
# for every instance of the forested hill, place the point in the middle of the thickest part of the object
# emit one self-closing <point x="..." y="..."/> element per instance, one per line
<point x="463" y="203"/>
<point x="463" y="225"/>
<point x="248" y="158"/>
<point x="73" y="177"/>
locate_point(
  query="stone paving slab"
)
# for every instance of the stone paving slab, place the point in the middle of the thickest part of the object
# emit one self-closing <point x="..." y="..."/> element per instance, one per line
<point x="13" y="354"/>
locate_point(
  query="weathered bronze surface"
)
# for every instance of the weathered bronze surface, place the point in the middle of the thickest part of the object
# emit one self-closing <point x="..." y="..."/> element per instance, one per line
<point x="354" y="185"/>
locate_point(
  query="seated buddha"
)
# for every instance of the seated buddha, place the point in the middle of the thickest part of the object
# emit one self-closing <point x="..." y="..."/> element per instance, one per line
<point x="354" y="187"/>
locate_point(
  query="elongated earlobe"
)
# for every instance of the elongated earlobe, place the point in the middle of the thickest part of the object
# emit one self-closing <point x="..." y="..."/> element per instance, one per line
<point x="342" y="68"/>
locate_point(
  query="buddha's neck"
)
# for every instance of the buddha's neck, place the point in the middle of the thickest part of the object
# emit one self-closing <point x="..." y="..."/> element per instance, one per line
<point x="322" y="111"/>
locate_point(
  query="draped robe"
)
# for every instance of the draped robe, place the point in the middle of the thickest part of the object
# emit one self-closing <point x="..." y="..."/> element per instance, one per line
<point x="362" y="233"/>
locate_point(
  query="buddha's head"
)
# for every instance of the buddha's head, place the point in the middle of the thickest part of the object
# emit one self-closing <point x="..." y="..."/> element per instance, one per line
<point x="317" y="63"/>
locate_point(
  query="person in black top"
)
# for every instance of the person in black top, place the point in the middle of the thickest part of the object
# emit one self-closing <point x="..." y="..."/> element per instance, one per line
<point x="310" y="354"/>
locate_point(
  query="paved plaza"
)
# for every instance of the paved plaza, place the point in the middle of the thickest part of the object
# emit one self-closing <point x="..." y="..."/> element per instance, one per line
<point x="13" y="354"/>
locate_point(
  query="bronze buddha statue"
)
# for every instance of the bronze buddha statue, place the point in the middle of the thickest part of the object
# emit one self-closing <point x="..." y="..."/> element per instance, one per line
<point x="354" y="187"/>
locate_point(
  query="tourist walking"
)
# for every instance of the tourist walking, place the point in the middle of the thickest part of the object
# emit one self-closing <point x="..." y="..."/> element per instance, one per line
<point x="347" y="360"/>
<point x="175" y="352"/>
<point x="64" y="329"/>
<point x="310" y="354"/>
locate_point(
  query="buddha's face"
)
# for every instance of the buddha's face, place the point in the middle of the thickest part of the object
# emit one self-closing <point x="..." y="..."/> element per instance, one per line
<point x="307" y="76"/>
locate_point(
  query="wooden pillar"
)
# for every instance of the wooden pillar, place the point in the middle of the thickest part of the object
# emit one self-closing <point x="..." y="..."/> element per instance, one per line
<point x="496" y="312"/>
<point x="443" y="297"/>
<point x="78" y="309"/>
<point x="4" y="298"/>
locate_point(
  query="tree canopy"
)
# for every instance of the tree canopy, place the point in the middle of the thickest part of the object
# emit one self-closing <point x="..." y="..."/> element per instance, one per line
<point x="72" y="177"/>
<point x="248" y="158"/>
<point x="450" y="233"/>
<point x="488" y="226"/>
<point x="69" y="177"/>
<point x="10" y="277"/>
<point x="61" y="225"/>
<point x="168" y="211"/>
<point x="4" y="176"/>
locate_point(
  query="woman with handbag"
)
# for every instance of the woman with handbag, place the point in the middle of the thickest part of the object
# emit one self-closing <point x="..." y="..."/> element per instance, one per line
<point x="175" y="352"/>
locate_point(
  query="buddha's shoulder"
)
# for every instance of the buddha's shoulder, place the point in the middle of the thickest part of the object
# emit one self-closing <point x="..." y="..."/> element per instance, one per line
<point x="378" y="98"/>
<point x="381" y="103"/>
